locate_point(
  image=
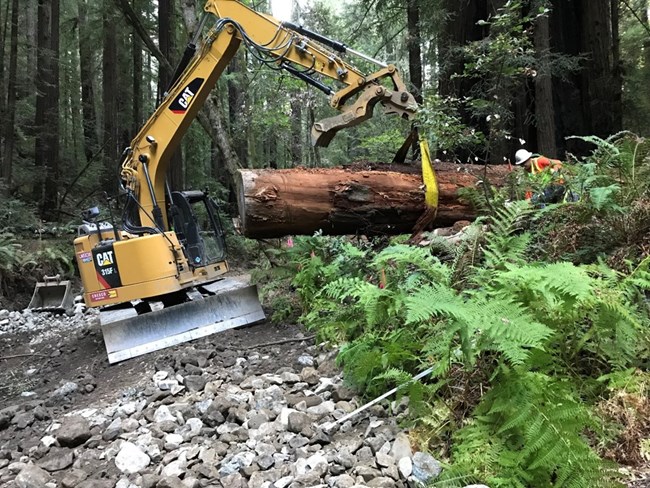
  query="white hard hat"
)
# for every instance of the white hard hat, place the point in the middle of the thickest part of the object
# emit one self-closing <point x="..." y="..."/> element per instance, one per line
<point x="522" y="156"/>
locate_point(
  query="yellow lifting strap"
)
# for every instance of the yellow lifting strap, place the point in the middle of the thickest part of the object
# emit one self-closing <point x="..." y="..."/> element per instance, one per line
<point x="429" y="176"/>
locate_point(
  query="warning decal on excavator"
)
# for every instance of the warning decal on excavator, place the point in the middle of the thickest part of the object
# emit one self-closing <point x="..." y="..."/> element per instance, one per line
<point x="100" y="296"/>
<point x="183" y="101"/>
<point x="85" y="257"/>
<point x="106" y="266"/>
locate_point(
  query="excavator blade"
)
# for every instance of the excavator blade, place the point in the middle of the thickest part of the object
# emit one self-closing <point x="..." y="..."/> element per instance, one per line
<point x="229" y="303"/>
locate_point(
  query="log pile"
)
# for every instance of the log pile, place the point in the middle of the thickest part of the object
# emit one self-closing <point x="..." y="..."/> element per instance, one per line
<point x="364" y="198"/>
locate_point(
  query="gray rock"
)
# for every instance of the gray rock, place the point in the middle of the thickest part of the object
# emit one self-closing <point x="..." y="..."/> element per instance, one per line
<point x="149" y="480"/>
<point x="73" y="478"/>
<point x="401" y="447"/>
<point x="23" y="420"/>
<point x="381" y="482"/>
<point x="384" y="460"/>
<point x="343" y="481"/>
<point x="265" y="462"/>
<point x="299" y="421"/>
<point x="310" y="376"/>
<point x="103" y="483"/>
<point x="131" y="459"/>
<point x="32" y="477"/>
<point x="425" y="468"/>
<point x="257" y="419"/>
<point x="130" y="425"/>
<point x="57" y="459"/>
<point x="345" y="459"/>
<point x="271" y="398"/>
<point x="195" y="383"/>
<point x="74" y="431"/>
<point x="5" y="420"/>
<point x="342" y="393"/>
<point x="367" y="473"/>
<point x="67" y="389"/>
<point x="310" y="401"/>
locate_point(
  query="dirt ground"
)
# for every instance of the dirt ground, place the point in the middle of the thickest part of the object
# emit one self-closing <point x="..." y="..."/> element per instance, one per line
<point x="78" y="356"/>
<point x="29" y="373"/>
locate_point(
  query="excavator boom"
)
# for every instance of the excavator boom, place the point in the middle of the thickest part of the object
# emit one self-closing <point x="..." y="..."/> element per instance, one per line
<point x="159" y="277"/>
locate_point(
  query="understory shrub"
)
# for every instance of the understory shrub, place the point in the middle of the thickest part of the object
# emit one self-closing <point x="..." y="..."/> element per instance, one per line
<point x="517" y="345"/>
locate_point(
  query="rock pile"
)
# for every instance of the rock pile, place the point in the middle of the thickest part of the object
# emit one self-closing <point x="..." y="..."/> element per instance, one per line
<point x="44" y="325"/>
<point x="209" y="420"/>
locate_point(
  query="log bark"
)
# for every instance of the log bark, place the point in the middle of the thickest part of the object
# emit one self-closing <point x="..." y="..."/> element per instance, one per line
<point x="361" y="199"/>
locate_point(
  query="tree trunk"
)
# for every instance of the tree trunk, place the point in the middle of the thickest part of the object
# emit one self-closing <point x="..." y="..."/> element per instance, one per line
<point x="338" y="201"/>
<point x="414" y="47"/>
<point x="295" y="144"/>
<point x="137" y="81"/>
<point x="9" y="133"/>
<point x="91" y="144"/>
<point x="237" y="107"/>
<point x="46" y="120"/>
<point x="544" y="108"/>
<point x="110" y="96"/>
<point x="216" y="125"/>
<point x="167" y="47"/>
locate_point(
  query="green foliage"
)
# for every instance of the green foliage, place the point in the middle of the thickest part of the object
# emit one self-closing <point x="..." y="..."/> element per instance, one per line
<point x="529" y="431"/>
<point x="524" y="340"/>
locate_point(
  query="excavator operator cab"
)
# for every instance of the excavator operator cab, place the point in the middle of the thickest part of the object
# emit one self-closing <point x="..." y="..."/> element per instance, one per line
<point x="196" y="221"/>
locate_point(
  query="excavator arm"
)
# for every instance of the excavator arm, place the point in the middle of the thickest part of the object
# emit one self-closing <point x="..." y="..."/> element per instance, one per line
<point x="284" y="46"/>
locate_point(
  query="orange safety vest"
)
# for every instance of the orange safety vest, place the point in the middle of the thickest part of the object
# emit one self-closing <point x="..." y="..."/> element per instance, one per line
<point x="540" y="164"/>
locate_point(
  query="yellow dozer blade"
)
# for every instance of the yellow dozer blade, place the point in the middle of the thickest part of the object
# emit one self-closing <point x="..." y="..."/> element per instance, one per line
<point x="52" y="295"/>
<point x="149" y="326"/>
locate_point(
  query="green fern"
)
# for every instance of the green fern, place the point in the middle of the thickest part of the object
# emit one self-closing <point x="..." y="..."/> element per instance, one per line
<point x="529" y="431"/>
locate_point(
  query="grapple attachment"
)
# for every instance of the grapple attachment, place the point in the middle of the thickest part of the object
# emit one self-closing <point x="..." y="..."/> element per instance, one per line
<point x="208" y="309"/>
<point x="52" y="295"/>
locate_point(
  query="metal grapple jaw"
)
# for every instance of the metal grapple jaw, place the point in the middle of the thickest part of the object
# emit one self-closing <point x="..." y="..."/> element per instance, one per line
<point x="397" y="101"/>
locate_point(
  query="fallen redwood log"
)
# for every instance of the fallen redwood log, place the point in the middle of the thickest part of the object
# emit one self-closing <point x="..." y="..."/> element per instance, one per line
<point x="360" y="199"/>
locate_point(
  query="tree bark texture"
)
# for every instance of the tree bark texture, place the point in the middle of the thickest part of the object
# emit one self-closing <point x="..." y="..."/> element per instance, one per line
<point x="109" y="98"/>
<point x="6" y="169"/>
<point x="46" y="119"/>
<point x="544" y="108"/>
<point x="414" y="44"/>
<point x="91" y="139"/>
<point x="361" y="199"/>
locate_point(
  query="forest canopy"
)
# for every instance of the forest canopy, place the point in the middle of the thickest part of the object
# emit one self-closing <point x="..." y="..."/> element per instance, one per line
<point x="79" y="79"/>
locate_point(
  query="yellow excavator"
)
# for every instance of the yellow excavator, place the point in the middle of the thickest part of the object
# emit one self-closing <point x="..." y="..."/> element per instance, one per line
<point x="159" y="277"/>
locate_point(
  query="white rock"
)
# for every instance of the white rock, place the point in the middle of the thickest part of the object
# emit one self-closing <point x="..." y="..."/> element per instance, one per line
<point x="163" y="414"/>
<point x="173" y="441"/>
<point x="324" y="408"/>
<point x="405" y="466"/>
<point x="48" y="441"/>
<point x="175" y="468"/>
<point x="283" y="482"/>
<point x="131" y="459"/>
<point x="159" y="376"/>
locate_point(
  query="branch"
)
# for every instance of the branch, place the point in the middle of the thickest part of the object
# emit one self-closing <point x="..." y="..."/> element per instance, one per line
<point x="636" y="15"/>
<point x="133" y="19"/>
<point x="279" y="343"/>
<point x="5" y="358"/>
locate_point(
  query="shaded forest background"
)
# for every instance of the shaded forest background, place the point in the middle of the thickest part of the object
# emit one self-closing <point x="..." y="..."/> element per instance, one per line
<point x="80" y="77"/>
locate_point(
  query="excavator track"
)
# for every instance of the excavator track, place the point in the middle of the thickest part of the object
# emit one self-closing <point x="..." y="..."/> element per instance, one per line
<point x="141" y="327"/>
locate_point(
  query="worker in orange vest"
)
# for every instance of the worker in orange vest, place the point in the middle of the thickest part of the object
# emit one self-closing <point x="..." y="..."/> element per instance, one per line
<point x="556" y="191"/>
